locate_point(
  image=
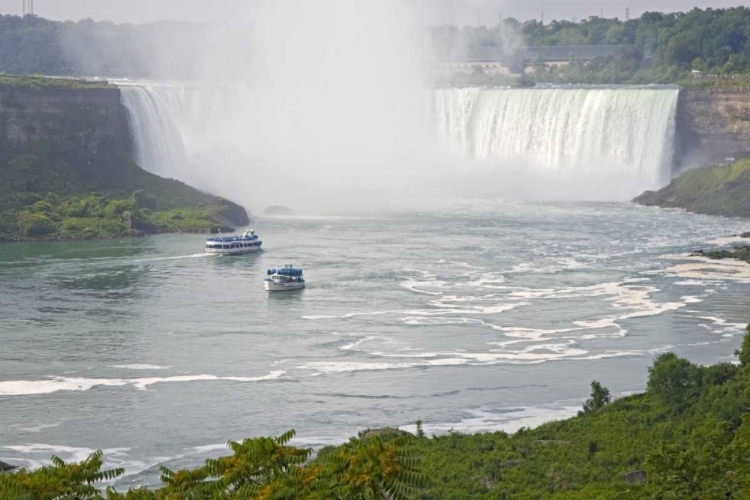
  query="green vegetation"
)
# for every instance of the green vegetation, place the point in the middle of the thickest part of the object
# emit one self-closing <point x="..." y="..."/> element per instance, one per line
<point x="95" y="215"/>
<point x="33" y="45"/>
<point x="657" y="47"/>
<point x="481" y="79"/>
<point x="40" y="82"/>
<point x="260" y="468"/>
<point x="741" y="253"/>
<point x="687" y="436"/>
<point x="716" y="190"/>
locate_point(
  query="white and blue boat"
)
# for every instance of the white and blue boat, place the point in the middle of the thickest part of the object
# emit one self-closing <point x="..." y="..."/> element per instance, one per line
<point x="247" y="242"/>
<point x="284" y="278"/>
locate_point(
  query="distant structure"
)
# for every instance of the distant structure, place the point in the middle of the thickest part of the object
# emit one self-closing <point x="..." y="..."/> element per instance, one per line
<point x="627" y="13"/>
<point x="495" y="60"/>
<point x="28" y="7"/>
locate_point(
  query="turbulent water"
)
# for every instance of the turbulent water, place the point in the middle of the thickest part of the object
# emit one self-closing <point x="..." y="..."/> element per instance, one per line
<point x="625" y="130"/>
<point x="472" y="317"/>
<point x="604" y="143"/>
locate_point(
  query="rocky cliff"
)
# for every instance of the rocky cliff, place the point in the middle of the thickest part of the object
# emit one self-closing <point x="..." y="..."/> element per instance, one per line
<point x="712" y="124"/>
<point x="84" y="129"/>
<point x="66" y="171"/>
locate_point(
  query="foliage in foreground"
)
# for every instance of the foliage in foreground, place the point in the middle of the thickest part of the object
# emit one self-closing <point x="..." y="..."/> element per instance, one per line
<point x="686" y="437"/>
<point x="260" y="468"/>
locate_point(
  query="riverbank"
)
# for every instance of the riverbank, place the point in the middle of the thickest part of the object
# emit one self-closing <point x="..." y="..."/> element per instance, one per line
<point x="716" y="190"/>
<point x="686" y="436"/>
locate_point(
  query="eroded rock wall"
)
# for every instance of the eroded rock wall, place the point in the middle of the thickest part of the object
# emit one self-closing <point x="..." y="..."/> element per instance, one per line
<point x="712" y="125"/>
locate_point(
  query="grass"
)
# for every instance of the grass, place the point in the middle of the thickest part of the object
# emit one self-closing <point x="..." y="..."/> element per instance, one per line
<point x="716" y="190"/>
<point x="43" y="82"/>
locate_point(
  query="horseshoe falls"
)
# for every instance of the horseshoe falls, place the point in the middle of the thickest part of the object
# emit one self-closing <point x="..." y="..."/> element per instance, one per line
<point x="624" y="134"/>
<point x="572" y="143"/>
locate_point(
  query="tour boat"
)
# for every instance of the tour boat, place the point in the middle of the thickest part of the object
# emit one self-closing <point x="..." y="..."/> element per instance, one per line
<point x="248" y="242"/>
<point x="284" y="278"/>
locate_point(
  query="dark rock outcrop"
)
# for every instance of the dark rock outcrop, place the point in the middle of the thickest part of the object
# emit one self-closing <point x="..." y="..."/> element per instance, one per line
<point x="635" y="477"/>
<point x="6" y="467"/>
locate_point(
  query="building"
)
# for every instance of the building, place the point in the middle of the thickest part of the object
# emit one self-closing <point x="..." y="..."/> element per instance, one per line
<point x="499" y="61"/>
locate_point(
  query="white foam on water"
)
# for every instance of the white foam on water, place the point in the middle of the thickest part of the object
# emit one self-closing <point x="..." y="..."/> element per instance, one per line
<point x="137" y="366"/>
<point x="39" y="427"/>
<point x="703" y="268"/>
<point x="55" y="384"/>
<point x="67" y="453"/>
<point x="174" y="257"/>
<point x="412" y="285"/>
<point x="351" y="315"/>
<point x="353" y="345"/>
<point x="689" y="299"/>
<point x="507" y="420"/>
<point x="727" y="240"/>
<point x="210" y="447"/>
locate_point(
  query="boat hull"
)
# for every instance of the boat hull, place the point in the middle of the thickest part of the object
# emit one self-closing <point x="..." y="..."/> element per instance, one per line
<point x="232" y="251"/>
<point x="270" y="286"/>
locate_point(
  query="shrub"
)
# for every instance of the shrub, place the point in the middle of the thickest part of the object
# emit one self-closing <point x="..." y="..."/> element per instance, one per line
<point x="116" y="208"/>
<point x="36" y="225"/>
<point x="675" y="381"/>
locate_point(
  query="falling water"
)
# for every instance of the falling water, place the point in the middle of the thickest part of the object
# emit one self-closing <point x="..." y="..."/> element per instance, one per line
<point x="606" y="143"/>
<point x="630" y="129"/>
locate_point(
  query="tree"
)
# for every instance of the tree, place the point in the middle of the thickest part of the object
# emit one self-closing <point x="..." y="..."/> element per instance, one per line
<point x="262" y="468"/>
<point x="675" y="381"/>
<point x="599" y="398"/>
<point x="743" y="354"/>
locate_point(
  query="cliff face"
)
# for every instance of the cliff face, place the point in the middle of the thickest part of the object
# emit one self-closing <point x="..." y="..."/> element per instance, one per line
<point x="712" y="124"/>
<point x="65" y="145"/>
<point x="84" y="131"/>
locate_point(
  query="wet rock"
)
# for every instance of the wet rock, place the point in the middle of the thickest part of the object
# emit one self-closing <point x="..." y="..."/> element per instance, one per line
<point x="6" y="467"/>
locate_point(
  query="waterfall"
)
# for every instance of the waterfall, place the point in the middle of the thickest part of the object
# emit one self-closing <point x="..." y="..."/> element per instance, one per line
<point x="628" y="130"/>
<point x="600" y="143"/>
<point x="158" y="143"/>
<point x="172" y="124"/>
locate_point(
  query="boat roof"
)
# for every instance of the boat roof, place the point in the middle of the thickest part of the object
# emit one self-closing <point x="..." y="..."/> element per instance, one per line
<point x="287" y="270"/>
<point x="230" y="239"/>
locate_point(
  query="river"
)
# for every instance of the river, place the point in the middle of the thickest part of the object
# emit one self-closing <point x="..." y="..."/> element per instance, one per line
<point x="472" y="317"/>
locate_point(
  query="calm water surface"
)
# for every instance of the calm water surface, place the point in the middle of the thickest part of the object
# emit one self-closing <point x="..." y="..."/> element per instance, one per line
<point x="479" y="317"/>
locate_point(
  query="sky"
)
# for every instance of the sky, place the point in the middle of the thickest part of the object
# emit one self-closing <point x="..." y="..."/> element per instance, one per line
<point x="429" y="11"/>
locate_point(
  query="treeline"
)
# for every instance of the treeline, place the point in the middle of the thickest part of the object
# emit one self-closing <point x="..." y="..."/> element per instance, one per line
<point x="687" y="436"/>
<point x="33" y="45"/>
<point x="657" y="47"/>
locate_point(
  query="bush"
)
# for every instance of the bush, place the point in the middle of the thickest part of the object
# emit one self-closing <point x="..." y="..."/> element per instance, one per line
<point x="116" y="208"/>
<point x="36" y="225"/>
<point x="675" y="381"/>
